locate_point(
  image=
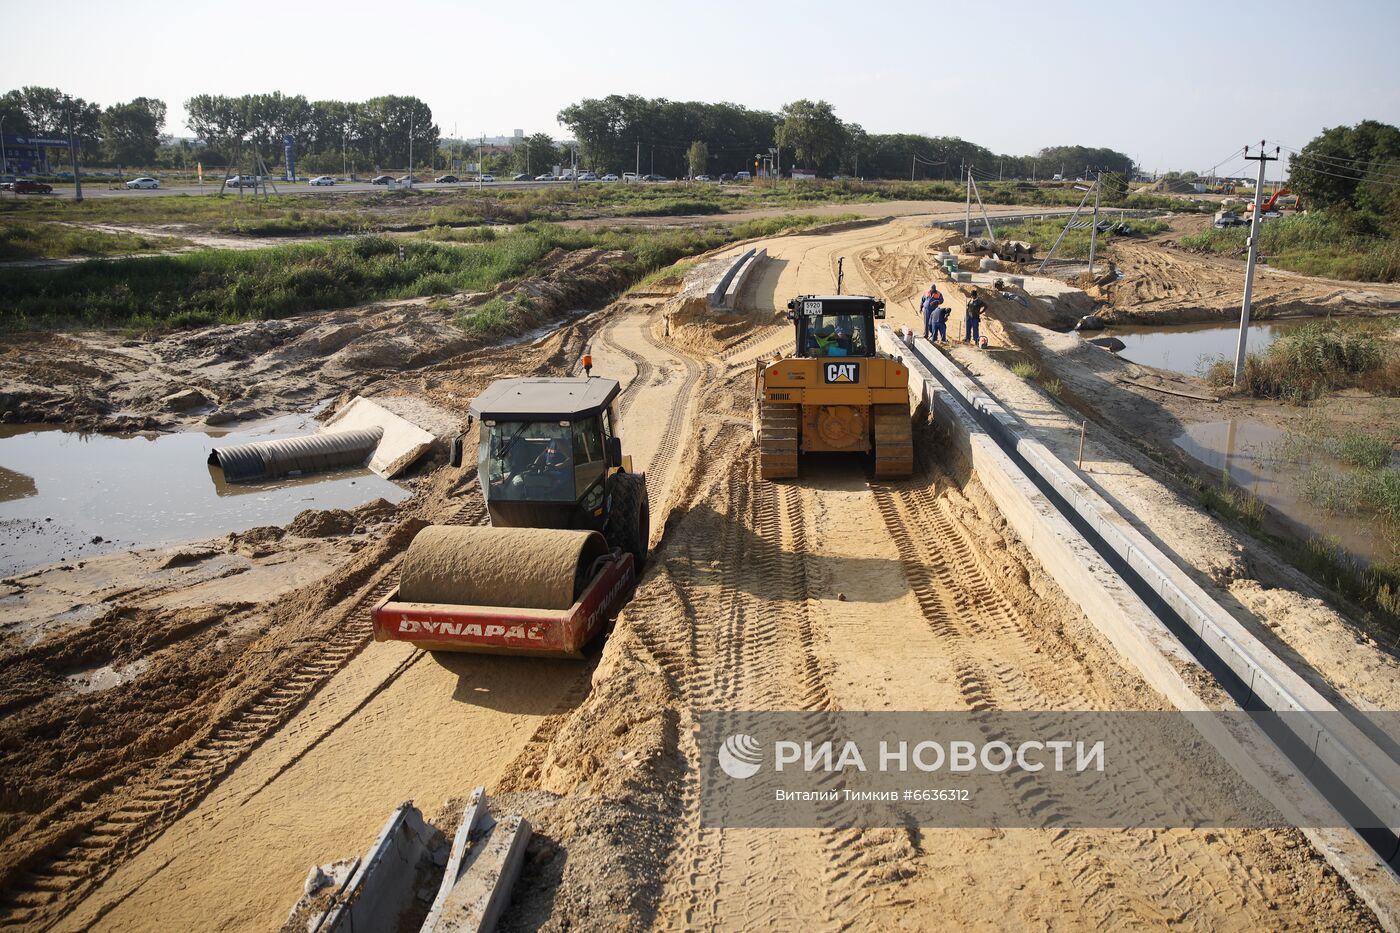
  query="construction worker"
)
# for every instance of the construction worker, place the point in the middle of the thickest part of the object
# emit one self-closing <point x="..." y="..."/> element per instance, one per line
<point x="931" y="301"/>
<point x="972" y="320"/>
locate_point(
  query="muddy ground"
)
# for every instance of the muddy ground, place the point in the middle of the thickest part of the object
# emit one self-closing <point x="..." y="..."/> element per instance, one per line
<point x="108" y="381"/>
<point x="257" y="728"/>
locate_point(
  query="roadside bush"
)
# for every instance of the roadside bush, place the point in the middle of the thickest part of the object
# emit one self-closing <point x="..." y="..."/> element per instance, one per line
<point x="1304" y="363"/>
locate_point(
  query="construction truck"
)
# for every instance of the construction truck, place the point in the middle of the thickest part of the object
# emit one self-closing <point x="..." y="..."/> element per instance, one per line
<point x="836" y="392"/>
<point x="568" y="534"/>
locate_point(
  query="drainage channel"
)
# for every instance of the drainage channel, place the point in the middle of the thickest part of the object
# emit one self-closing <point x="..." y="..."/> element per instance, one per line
<point x="1354" y="793"/>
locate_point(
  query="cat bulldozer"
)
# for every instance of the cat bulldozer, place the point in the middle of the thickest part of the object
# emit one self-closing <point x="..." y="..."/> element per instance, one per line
<point x="835" y="392"/>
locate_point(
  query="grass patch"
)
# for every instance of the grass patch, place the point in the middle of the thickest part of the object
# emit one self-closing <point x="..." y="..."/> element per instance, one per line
<point x="1312" y="244"/>
<point x="1362" y="450"/>
<point x="1229" y="502"/>
<point x="1043" y="233"/>
<point x="666" y="276"/>
<point x="1026" y="370"/>
<point x="1306" y="362"/>
<point x="61" y="241"/>
<point x="223" y="286"/>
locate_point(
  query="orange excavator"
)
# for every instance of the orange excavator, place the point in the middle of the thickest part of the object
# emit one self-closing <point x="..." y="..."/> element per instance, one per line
<point x="1269" y="204"/>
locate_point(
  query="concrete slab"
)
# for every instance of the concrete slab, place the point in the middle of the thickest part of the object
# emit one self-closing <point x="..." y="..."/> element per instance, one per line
<point x="403" y="442"/>
<point x="483" y="891"/>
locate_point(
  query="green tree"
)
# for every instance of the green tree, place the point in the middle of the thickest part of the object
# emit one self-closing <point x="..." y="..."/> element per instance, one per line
<point x="811" y="130"/>
<point x="131" y="131"/>
<point x="1343" y="166"/>
<point x="536" y="155"/>
<point x="698" y="157"/>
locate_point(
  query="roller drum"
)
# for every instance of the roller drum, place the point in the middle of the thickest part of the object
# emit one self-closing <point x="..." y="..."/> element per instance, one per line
<point x="520" y="568"/>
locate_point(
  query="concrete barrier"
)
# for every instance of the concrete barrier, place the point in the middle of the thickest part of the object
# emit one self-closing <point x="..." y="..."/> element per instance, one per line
<point x="1257" y="677"/>
<point x="716" y="293"/>
<point x="741" y="275"/>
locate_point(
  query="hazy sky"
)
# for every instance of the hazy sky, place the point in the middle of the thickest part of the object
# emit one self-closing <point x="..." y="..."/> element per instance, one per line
<point x="1171" y="84"/>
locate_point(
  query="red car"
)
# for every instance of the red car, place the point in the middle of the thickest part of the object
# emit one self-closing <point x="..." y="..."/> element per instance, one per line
<point x="25" y="186"/>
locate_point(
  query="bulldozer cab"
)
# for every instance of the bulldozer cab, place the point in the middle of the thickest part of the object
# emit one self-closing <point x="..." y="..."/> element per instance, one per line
<point x="835" y="325"/>
<point x="546" y="449"/>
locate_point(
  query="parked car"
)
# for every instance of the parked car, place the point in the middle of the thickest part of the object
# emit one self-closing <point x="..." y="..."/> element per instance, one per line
<point x="742" y="176"/>
<point x="727" y="176"/>
<point x="241" y="181"/>
<point x="609" y="177"/>
<point x="29" y="186"/>
<point x="486" y="179"/>
<point x="143" y="182"/>
<point x="446" y="179"/>
<point x="587" y="176"/>
<point x="654" y="178"/>
<point x="409" y="180"/>
<point x="381" y="179"/>
<point x="545" y="177"/>
<point x="521" y="177"/>
<point x="6" y="181"/>
<point x="322" y="180"/>
<point x="703" y="178"/>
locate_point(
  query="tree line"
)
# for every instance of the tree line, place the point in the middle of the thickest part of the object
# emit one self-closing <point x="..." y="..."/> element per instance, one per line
<point x="675" y="138"/>
<point x="615" y="133"/>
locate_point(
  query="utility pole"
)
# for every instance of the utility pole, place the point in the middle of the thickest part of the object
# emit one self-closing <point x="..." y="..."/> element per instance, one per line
<point x="4" y="160"/>
<point x="1094" y="224"/>
<point x="480" y="166"/>
<point x="967" y="218"/>
<point x="73" y="157"/>
<point x="1001" y="168"/>
<point x="653" y="160"/>
<point x="913" y="160"/>
<point x="637" y="175"/>
<point x="1263" y="159"/>
<point x="410" y="144"/>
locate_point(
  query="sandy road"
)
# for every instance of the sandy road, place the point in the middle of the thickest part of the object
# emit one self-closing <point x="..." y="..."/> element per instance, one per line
<point x="833" y="592"/>
<point x="742" y="609"/>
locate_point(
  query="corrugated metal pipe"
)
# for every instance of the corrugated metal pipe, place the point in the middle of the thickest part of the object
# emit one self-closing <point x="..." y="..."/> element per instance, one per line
<point x="249" y="463"/>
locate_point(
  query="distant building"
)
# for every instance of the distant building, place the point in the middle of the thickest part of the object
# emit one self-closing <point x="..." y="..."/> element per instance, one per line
<point x="804" y="174"/>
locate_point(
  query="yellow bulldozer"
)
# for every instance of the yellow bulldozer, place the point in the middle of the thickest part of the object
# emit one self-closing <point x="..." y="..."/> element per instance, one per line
<point x="836" y="392"/>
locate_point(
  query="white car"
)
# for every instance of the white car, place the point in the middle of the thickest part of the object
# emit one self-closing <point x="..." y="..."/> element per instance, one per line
<point x="322" y="180"/>
<point x="545" y="177"/>
<point x="488" y="178"/>
<point x="587" y="176"/>
<point x="143" y="183"/>
<point x="609" y="177"/>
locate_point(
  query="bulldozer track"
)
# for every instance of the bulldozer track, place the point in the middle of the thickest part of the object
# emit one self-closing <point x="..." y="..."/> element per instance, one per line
<point x="1003" y="661"/>
<point x="759" y="335"/>
<point x="643" y="366"/>
<point x="671" y="439"/>
<point x="154" y="798"/>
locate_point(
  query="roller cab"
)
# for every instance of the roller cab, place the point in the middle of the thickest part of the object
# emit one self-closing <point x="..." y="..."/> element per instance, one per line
<point x="836" y="392"/>
<point x="569" y="530"/>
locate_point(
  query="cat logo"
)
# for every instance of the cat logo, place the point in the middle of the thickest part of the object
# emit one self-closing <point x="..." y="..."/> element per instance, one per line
<point x="842" y="373"/>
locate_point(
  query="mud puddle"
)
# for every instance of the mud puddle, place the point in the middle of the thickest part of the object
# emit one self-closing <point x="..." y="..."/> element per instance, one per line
<point x="67" y="496"/>
<point x="1192" y="348"/>
<point x="1250" y="456"/>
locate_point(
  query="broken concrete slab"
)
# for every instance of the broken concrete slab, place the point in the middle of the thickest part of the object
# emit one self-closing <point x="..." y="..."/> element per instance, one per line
<point x="405" y="439"/>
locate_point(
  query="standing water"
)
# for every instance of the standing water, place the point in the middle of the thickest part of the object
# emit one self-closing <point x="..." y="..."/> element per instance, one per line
<point x="65" y="495"/>
<point x="1249" y="456"/>
<point x="1192" y="348"/>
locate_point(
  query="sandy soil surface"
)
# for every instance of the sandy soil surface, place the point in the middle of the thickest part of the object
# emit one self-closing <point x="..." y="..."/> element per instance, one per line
<point x="1163" y="283"/>
<point x="266" y="732"/>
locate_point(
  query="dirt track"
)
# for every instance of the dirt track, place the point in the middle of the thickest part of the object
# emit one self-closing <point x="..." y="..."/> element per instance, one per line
<point x="920" y="600"/>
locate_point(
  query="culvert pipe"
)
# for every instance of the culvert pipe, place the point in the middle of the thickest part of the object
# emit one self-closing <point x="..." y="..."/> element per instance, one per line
<point x="315" y="453"/>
